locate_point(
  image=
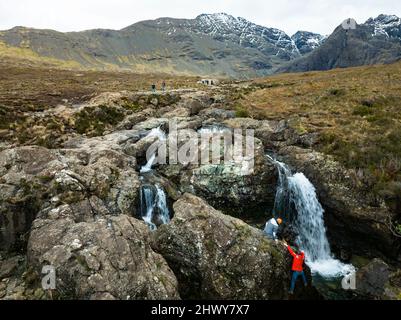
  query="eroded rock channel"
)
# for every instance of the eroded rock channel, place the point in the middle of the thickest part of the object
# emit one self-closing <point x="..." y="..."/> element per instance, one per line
<point x="116" y="224"/>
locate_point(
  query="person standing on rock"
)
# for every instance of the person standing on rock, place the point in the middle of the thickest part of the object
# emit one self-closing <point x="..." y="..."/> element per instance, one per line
<point x="164" y="86"/>
<point x="272" y="227"/>
<point x="297" y="268"/>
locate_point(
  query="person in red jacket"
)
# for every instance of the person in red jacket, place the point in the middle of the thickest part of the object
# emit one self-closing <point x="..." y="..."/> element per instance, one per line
<point x="297" y="268"/>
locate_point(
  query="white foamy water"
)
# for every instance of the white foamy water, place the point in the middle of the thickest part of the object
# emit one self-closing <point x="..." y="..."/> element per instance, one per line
<point x="330" y="268"/>
<point x="159" y="133"/>
<point x="153" y="206"/>
<point x="296" y="198"/>
<point x="148" y="166"/>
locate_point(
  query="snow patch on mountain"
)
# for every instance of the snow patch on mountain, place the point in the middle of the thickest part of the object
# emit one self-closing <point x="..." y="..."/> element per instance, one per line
<point x="386" y="25"/>
<point x="307" y="41"/>
<point x="268" y="40"/>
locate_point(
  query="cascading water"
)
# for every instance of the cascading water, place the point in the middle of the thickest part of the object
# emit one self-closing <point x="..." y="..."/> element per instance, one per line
<point x="153" y="201"/>
<point x="281" y="201"/>
<point x="148" y="166"/>
<point x="153" y="206"/>
<point x="159" y="133"/>
<point x="296" y="199"/>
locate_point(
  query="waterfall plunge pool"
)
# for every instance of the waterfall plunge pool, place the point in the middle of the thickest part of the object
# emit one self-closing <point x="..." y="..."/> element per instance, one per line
<point x="296" y="201"/>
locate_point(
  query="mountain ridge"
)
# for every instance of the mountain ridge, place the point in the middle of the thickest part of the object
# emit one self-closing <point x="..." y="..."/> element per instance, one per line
<point x="211" y="44"/>
<point x="218" y="45"/>
<point x="378" y="40"/>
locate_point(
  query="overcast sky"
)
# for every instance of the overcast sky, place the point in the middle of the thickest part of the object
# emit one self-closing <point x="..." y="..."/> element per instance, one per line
<point x="289" y="15"/>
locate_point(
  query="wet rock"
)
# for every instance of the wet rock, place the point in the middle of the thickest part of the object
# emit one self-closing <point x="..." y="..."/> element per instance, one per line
<point x="376" y="280"/>
<point x="109" y="258"/>
<point x="215" y="256"/>
<point x="139" y="149"/>
<point x="230" y="187"/>
<point x="354" y="225"/>
<point x="227" y="185"/>
<point x="371" y="279"/>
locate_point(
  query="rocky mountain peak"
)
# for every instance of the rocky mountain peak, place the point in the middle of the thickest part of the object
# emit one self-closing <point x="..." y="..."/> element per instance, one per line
<point x="220" y="17"/>
<point x="225" y="27"/>
<point x="385" y="19"/>
<point x="307" y="41"/>
<point x="386" y="25"/>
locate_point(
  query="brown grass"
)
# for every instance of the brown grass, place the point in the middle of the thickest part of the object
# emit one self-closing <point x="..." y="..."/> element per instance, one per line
<point x="356" y="111"/>
<point x="22" y="86"/>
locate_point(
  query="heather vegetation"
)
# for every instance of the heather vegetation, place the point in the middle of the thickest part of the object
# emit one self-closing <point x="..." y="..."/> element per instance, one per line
<point x="355" y="111"/>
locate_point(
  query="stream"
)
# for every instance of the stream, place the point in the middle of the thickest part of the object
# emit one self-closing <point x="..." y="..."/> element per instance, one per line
<point x="296" y="202"/>
<point x="153" y="206"/>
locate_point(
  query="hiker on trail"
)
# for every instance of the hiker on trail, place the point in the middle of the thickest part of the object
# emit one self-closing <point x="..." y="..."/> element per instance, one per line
<point x="272" y="227"/>
<point x="297" y="268"/>
<point x="153" y="88"/>
<point x="164" y="86"/>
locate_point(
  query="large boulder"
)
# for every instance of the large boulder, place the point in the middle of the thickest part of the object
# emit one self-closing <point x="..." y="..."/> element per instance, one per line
<point x="215" y="256"/>
<point x="91" y="176"/>
<point x="227" y="185"/>
<point x="108" y="258"/>
<point x="376" y="280"/>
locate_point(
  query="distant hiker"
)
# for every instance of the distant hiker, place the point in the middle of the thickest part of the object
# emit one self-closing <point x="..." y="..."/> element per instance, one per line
<point x="164" y="86"/>
<point x="272" y="227"/>
<point x="297" y="268"/>
<point x="153" y="88"/>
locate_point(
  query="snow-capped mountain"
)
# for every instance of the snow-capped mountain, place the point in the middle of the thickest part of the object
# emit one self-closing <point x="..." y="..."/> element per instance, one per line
<point x="221" y="43"/>
<point x="386" y="25"/>
<point x="378" y="40"/>
<point x="307" y="41"/>
<point x="225" y="27"/>
<point x="214" y="45"/>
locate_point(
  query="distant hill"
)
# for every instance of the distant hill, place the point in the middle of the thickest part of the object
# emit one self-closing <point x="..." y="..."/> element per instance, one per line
<point x="210" y="44"/>
<point x="217" y="45"/>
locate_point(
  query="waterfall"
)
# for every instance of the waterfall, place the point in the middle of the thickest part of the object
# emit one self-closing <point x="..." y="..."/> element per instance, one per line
<point x="281" y="201"/>
<point x="159" y="133"/>
<point x="148" y="166"/>
<point x="153" y="201"/>
<point x="296" y="201"/>
<point x="153" y="206"/>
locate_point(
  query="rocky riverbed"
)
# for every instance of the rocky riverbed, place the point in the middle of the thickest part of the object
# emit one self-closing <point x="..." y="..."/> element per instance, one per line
<point x="74" y="203"/>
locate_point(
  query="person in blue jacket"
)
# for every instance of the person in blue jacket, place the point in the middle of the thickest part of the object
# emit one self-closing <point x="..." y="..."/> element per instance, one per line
<point x="271" y="228"/>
